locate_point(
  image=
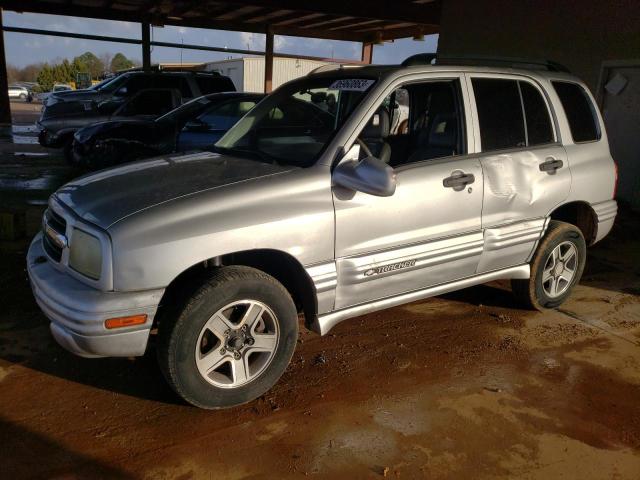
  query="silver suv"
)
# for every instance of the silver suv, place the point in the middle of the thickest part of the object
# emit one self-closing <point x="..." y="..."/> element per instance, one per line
<point x="344" y="192"/>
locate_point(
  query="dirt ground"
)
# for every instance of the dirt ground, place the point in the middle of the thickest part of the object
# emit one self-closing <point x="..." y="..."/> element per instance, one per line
<point x="467" y="385"/>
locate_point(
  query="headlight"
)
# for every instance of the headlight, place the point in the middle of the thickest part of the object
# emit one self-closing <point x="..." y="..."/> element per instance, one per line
<point x="85" y="254"/>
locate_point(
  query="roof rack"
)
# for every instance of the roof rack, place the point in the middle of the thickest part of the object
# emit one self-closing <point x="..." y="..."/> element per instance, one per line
<point x="481" y="60"/>
<point x="160" y="68"/>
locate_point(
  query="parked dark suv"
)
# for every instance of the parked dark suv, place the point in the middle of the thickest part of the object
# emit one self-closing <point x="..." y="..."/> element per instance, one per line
<point x="65" y="112"/>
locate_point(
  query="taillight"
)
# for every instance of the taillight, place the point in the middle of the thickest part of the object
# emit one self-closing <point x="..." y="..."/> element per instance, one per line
<point x="615" y="183"/>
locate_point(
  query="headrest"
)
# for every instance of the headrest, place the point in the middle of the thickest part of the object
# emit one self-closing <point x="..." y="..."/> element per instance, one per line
<point x="378" y="125"/>
<point x="444" y="131"/>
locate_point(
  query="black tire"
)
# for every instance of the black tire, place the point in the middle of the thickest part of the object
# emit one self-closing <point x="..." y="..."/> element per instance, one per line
<point x="67" y="151"/>
<point x="531" y="293"/>
<point x="179" y="335"/>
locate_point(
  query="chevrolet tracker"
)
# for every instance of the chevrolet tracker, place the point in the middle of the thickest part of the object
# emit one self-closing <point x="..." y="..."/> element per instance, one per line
<point x="346" y="191"/>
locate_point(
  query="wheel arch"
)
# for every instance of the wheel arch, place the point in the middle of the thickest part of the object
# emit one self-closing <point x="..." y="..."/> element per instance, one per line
<point x="582" y="215"/>
<point x="282" y="266"/>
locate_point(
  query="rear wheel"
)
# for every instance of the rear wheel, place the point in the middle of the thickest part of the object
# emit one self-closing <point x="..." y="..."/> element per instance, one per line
<point x="556" y="268"/>
<point x="232" y="341"/>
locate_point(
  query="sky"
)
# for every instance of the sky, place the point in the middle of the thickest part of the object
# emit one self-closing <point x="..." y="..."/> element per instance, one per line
<point x="23" y="49"/>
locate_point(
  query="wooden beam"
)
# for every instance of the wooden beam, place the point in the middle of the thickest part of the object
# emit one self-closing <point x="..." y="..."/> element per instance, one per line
<point x="400" y="11"/>
<point x="146" y="46"/>
<point x="268" y="62"/>
<point x="285" y="27"/>
<point x="367" y="52"/>
<point x="5" y="104"/>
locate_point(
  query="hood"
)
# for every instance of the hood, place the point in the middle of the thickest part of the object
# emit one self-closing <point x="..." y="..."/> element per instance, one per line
<point x="105" y="197"/>
<point x="127" y="126"/>
<point x="73" y="95"/>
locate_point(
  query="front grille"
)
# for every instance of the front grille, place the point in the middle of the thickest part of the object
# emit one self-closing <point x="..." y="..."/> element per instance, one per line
<point x="59" y="225"/>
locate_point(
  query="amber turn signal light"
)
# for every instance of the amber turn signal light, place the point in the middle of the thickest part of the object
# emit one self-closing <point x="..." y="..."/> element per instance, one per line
<point x="125" y="321"/>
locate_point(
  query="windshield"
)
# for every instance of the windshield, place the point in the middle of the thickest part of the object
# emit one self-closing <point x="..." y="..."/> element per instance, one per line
<point x="295" y="124"/>
<point x="114" y="84"/>
<point x="101" y="84"/>
<point x="185" y="111"/>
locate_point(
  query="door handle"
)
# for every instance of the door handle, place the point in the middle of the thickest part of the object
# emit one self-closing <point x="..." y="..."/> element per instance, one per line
<point x="550" y="165"/>
<point x="458" y="180"/>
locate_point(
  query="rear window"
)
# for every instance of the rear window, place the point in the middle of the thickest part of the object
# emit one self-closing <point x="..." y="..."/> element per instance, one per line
<point x="579" y="110"/>
<point x="213" y="84"/>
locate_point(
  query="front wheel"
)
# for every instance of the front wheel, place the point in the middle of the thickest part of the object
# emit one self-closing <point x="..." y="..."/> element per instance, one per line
<point x="556" y="268"/>
<point x="232" y="341"/>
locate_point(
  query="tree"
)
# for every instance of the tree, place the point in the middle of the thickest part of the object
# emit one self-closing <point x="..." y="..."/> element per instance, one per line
<point x="45" y="78"/>
<point x="106" y="58"/>
<point x="92" y="63"/>
<point x="120" y="62"/>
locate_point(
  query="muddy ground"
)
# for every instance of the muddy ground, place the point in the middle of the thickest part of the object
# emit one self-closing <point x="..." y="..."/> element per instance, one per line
<point x="467" y="385"/>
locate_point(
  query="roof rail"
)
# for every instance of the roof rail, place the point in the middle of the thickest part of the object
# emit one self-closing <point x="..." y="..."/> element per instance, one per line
<point x="331" y="67"/>
<point x="481" y="60"/>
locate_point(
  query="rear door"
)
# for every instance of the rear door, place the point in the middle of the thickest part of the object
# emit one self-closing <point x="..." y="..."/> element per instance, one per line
<point x="525" y="166"/>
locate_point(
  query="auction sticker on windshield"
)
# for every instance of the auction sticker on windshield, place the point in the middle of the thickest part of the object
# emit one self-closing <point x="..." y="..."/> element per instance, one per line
<point x="352" y="84"/>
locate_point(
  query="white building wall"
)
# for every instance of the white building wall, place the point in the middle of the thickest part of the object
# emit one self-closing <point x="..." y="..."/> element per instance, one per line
<point x="247" y="73"/>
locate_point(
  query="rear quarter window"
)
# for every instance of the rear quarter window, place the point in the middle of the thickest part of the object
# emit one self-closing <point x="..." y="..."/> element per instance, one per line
<point x="579" y="110"/>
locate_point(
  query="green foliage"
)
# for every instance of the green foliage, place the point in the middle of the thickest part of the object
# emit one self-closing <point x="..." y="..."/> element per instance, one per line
<point x="45" y="77"/>
<point x="92" y="64"/>
<point x="66" y="71"/>
<point x="120" y="62"/>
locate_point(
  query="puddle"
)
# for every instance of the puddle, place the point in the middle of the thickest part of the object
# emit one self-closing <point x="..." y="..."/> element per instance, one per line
<point x="24" y="140"/>
<point x="32" y="128"/>
<point x="45" y="182"/>
<point x="31" y="154"/>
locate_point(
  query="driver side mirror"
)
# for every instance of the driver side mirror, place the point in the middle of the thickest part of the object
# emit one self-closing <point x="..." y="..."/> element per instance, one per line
<point x="369" y="175"/>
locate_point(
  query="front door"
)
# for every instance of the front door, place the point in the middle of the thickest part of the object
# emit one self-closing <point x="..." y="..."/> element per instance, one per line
<point x="429" y="231"/>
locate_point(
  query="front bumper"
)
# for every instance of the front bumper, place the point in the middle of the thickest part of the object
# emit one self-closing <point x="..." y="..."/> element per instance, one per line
<point x="77" y="311"/>
<point x="47" y="138"/>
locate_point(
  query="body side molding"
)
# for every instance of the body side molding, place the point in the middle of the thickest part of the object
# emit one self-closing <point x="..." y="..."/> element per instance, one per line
<point x="324" y="323"/>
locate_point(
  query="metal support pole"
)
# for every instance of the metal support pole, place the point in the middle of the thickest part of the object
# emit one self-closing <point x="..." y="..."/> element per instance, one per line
<point x="367" y="52"/>
<point x="268" y="62"/>
<point x="5" y="105"/>
<point x="146" y="46"/>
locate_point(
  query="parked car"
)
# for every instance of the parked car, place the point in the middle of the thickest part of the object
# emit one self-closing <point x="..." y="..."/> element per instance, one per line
<point x="20" y="92"/>
<point x="65" y="112"/>
<point x="57" y="88"/>
<point x="304" y="209"/>
<point x="197" y="124"/>
<point x="146" y="104"/>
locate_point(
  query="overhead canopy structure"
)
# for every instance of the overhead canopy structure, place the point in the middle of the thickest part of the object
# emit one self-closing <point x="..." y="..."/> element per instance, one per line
<point x="366" y="21"/>
<point x="352" y="20"/>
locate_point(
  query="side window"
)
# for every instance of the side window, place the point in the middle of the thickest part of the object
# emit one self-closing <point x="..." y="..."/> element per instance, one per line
<point x="226" y="115"/>
<point x="137" y="83"/>
<point x="579" y="110"/>
<point x="174" y="81"/>
<point x="417" y="122"/>
<point x="398" y="105"/>
<point x="536" y="114"/>
<point x="499" y="113"/>
<point x="210" y="84"/>
<point x="149" y="102"/>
